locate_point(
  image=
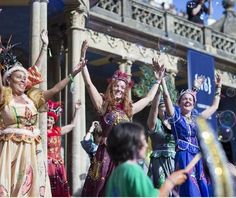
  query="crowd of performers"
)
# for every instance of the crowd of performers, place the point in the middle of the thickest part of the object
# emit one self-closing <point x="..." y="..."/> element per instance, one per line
<point x="117" y="144"/>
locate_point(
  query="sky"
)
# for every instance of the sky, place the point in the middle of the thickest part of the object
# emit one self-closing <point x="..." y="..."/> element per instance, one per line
<point x="217" y="7"/>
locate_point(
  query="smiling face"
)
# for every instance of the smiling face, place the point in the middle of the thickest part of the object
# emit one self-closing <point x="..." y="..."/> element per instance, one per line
<point x="119" y="90"/>
<point x="17" y="81"/>
<point x="186" y="103"/>
<point x="50" y="122"/>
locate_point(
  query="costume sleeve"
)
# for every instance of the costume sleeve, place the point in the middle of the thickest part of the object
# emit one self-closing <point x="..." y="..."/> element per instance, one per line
<point x="89" y="146"/>
<point x="58" y="129"/>
<point x="176" y="115"/>
<point x="34" y="77"/>
<point x="36" y="95"/>
<point x="7" y="95"/>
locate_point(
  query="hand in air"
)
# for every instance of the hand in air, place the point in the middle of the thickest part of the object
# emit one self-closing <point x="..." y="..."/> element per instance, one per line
<point x="44" y="37"/>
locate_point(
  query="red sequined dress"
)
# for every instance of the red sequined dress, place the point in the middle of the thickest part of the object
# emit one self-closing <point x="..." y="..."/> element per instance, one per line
<point x="56" y="168"/>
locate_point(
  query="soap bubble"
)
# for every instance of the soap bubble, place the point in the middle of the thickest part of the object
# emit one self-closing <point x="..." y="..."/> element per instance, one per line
<point x="225" y="134"/>
<point x="227" y="118"/>
<point x="230" y="92"/>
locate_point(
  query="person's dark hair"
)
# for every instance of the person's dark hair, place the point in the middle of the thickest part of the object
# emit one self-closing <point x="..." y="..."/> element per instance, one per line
<point x="124" y="141"/>
<point x="97" y="130"/>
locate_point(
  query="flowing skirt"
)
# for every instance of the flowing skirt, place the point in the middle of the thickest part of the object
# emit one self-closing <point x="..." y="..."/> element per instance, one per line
<point x="22" y="168"/>
<point x="98" y="174"/>
<point x="160" y="168"/>
<point x="58" y="179"/>
<point x="197" y="183"/>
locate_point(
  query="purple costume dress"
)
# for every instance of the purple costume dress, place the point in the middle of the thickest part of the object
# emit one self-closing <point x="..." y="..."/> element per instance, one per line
<point x="101" y="166"/>
<point x="187" y="146"/>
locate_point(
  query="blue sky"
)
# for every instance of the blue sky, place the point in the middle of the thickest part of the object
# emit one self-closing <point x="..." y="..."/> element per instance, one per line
<point x="217" y="7"/>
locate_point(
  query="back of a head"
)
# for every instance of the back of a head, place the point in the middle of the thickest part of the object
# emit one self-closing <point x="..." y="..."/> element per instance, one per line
<point x="124" y="141"/>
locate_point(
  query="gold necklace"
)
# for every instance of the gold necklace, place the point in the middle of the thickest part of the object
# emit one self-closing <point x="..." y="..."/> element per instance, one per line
<point x="188" y="119"/>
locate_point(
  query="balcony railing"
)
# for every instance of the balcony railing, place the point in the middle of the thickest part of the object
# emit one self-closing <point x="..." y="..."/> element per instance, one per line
<point x="151" y="20"/>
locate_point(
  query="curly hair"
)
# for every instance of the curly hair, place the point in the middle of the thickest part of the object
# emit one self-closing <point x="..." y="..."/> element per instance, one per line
<point x="110" y="102"/>
<point x="124" y="141"/>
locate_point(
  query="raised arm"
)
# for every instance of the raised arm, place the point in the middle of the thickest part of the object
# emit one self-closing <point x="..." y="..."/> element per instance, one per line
<point x="166" y="95"/>
<point x="95" y="96"/>
<point x="66" y="129"/>
<point x="152" y="116"/>
<point x="142" y="103"/>
<point x="43" y="51"/>
<point x="212" y="109"/>
<point x="167" y="99"/>
<point x="198" y="8"/>
<point x="174" y="179"/>
<point x="60" y="85"/>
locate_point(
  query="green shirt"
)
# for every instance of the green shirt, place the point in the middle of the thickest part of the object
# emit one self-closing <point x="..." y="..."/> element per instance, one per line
<point x="129" y="180"/>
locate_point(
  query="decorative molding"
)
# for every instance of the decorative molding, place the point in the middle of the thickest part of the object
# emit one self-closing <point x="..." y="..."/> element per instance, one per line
<point x="135" y="52"/>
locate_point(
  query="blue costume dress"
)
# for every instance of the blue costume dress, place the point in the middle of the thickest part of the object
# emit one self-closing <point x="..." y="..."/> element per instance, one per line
<point x="187" y="146"/>
<point x="163" y="154"/>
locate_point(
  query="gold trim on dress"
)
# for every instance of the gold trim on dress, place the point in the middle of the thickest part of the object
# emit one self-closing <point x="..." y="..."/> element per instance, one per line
<point x="17" y="138"/>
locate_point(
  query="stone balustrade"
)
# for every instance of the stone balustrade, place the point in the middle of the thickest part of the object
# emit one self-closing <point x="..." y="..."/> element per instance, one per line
<point x="146" y="18"/>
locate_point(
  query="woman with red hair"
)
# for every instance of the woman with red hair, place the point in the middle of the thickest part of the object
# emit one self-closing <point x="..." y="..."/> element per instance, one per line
<point x="114" y="107"/>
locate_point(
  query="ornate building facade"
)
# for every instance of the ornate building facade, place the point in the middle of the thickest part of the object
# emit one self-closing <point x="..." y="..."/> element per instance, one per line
<point x="121" y="33"/>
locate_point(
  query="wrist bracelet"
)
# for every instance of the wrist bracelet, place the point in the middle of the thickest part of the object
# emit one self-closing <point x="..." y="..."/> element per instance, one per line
<point x="71" y="77"/>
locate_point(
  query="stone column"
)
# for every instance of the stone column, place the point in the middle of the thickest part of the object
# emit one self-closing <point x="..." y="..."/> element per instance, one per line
<point x="43" y="70"/>
<point x="35" y="31"/>
<point x="38" y="23"/>
<point x="79" y="157"/>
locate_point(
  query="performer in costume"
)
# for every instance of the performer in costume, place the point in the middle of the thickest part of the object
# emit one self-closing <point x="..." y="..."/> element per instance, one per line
<point x="184" y="129"/>
<point x="163" y="143"/>
<point x="22" y="162"/>
<point x="56" y="168"/>
<point x="92" y="139"/>
<point x="116" y="107"/>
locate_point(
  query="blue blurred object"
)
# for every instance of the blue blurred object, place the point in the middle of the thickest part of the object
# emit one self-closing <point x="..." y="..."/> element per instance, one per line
<point x="55" y="6"/>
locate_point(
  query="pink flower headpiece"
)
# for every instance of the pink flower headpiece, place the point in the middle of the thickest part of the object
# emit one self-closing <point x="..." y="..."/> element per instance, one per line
<point x="119" y="75"/>
<point x="188" y="91"/>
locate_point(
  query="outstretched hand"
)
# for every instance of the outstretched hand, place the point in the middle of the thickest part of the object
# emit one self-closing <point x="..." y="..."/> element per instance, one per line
<point x="79" y="66"/>
<point x="159" y="69"/>
<point x="84" y="48"/>
<point x="178" y="177"/>
<point x="44" y="37"/>
<point x="198" y="82"/>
